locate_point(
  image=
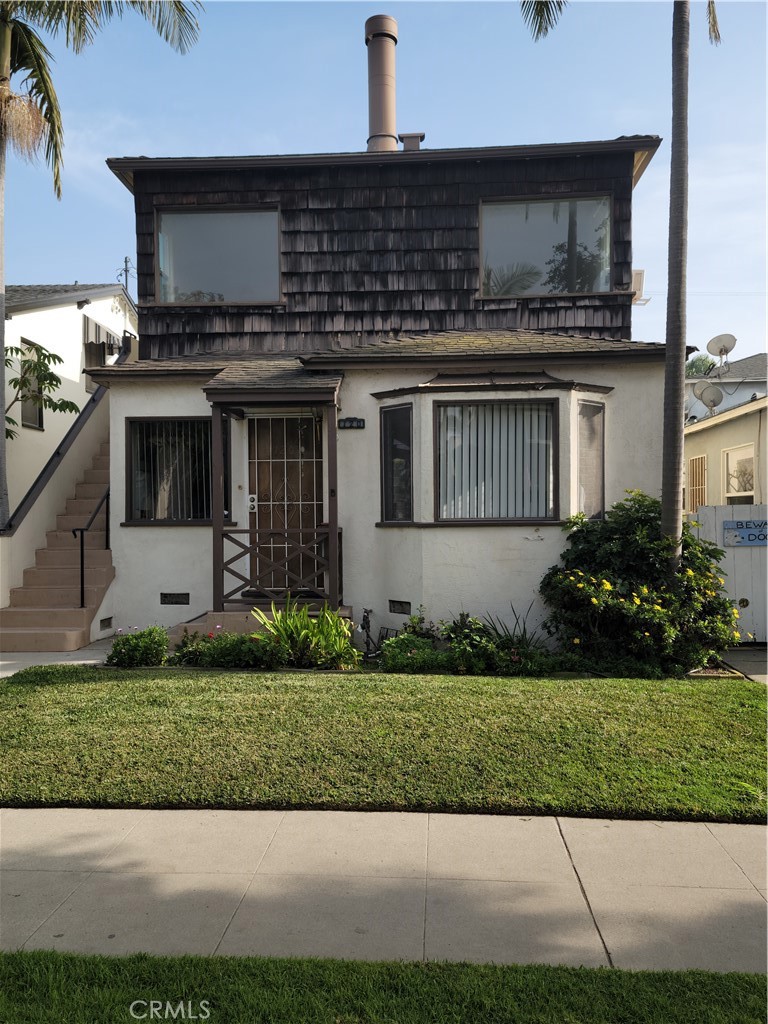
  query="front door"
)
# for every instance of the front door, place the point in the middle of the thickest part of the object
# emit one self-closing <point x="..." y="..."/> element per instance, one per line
<point x="285" y="484"/>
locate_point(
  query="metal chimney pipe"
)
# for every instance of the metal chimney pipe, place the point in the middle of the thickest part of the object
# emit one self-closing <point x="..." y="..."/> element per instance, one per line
<point x="381" y="40"/>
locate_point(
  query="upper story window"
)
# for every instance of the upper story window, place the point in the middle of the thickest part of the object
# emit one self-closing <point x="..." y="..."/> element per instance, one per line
<point x="208" y="257"/>
<point x="545" y="247"/>
<point x="739" y="475"/>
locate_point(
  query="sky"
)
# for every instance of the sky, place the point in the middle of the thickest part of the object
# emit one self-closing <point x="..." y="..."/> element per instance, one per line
<point x="289" y="77"/>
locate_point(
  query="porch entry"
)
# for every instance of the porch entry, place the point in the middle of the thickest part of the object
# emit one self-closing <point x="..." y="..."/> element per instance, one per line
<point x="285" y="501"/>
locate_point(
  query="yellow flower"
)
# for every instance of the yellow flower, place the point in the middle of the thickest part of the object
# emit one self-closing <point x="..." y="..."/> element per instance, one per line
<point x="735" y="612"/>
<point x="658" y="607"/>
<point x="636" y="599"/>
<point x="720" y="580"/>
<point x="689" y="572"/>
<point x="593" y="580"/>
<point x="576" y="640"/>
<point x="646" y="634"/>
<point x="594" y="600"/>
<point x="579" y="572"/>
<point x="737" y="634"/>
<point x="571" y="577"/>
<point x="622" y="600"/>
<point x="579" y="586"/>
<point x="644" y="590"/>
<point x="607" y="585"/>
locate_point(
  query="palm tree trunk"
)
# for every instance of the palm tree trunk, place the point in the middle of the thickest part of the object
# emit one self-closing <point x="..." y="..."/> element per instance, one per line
<point x="674" y="376"/>
<point x="5" y="88"/>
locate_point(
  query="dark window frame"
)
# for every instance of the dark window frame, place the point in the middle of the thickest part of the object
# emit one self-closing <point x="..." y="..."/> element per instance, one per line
<point x="501" y="520"/>
<point x="382" y="476"/>
<point x="129" y="476"/>
<point x="217" y="208"/>
<point x="564" y="197"/>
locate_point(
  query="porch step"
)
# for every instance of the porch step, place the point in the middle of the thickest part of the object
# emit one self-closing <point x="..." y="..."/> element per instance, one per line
<point x="59" y="557"/>
<point x="33" y="639"/>
<point x="44" y="613"/>
<point x="67" y="575"/>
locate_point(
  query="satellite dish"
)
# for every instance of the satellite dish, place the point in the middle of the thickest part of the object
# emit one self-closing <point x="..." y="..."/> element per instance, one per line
<point x="711" y="396"/>
<point x="699" y="387"/>
<point x="721" y="345"/>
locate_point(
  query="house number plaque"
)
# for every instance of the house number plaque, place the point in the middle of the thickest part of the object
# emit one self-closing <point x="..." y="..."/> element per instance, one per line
<point x="351" y="423"/>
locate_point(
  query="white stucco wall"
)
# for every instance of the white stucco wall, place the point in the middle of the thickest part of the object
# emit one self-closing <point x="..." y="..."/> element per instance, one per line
<point x="60" y="330"/>
<point x="448" y="569"/>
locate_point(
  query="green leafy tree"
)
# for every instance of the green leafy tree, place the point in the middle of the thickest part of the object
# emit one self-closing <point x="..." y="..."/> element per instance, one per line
<point x="543" y="15"/>
<point x="35" y="382"/>
<point x="699" y="366"/>
<point x="30" y="119"/>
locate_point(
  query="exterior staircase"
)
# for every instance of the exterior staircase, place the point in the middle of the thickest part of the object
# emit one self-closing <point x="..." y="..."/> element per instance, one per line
<point x="45" y="613"/>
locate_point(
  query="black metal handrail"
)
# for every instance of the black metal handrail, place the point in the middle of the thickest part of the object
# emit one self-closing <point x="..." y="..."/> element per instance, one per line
<point x="82" y="530"/>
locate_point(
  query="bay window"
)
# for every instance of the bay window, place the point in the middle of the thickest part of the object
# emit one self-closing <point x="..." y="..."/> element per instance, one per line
<point x="495" y="460"/>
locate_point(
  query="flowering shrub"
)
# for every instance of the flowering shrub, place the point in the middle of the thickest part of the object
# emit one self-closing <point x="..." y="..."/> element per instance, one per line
<point x="139" y="647"/>
<point x="222" y="649"/>
<point x="614" y="602"/>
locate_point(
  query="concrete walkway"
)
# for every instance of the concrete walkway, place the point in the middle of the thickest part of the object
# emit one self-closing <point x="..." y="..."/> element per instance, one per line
<point x="383" y="886"/>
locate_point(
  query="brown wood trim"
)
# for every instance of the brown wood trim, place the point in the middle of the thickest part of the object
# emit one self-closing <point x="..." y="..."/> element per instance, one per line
<point x="164" y="523"/>
<point x="436" y="406"/>
<point x="334" y="583"/>
<point x="217" y="505"/>
<point x="462" y="523"/>
<point x="430" y="389"/>
<point x="218" y="396"/>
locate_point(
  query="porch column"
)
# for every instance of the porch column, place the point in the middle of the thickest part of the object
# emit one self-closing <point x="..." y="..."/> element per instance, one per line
<point x="217" y="502"/>
<point x="333" y="511"/>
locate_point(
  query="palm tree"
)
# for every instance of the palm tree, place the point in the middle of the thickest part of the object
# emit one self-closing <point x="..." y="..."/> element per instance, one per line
<point x="30" y="120"/>
<point x="541" y="16"/>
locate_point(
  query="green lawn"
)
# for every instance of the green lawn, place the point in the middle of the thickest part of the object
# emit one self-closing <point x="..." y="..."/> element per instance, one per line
<point x="56" y="988"/>
<point x="686" y="749"/>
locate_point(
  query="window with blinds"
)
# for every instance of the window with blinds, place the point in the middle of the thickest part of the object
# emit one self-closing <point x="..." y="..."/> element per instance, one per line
<point x="396" y="464"/>
<point x="591" y="459"/>
<point x="169" y="470"/>
<point x="496" y="460"/>
<point x="697" y="482"/>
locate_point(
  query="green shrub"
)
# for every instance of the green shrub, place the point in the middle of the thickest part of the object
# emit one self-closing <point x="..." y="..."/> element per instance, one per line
<point x="414" y="654"/>
<point x="322" y="640"/>
<point x="139" y="648"/>
<point x="224" y="649"/>
<point x="614" y="602"/>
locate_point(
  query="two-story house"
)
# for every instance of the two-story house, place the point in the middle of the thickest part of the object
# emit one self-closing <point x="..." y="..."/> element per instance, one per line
<point x="385" y="377"/>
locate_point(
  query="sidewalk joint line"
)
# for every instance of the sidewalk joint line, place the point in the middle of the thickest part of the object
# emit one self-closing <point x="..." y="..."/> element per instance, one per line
<point x="248" y="886"/>
<point x="426" y="888"/>
<point x="728" y="852"/>
<point x="584" y="894"/>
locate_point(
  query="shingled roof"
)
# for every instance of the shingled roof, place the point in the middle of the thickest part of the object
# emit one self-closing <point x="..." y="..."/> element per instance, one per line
<point x="437" y="347"/>
<point x="21" y="298"/>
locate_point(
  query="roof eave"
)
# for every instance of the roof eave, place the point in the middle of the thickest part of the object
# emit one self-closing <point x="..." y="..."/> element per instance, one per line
<point x="71" y="298"/>
<point x="439" y="359"/>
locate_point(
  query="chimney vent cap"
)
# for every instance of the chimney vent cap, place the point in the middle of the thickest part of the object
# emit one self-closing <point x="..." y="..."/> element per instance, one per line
<point x="411" y="140"/>
<point x="380" y="25"/>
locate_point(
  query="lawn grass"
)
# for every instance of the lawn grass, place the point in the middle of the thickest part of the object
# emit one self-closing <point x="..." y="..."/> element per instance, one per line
<point x="674" y="749"/>
<point x="58" y="988"/>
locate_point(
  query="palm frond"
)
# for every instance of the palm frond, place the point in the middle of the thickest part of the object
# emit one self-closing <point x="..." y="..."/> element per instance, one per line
<point x="541" y="15"/>
<point x="31" y="58"/>
<point x="714" y="28"/>
<point x="174" y="21"/>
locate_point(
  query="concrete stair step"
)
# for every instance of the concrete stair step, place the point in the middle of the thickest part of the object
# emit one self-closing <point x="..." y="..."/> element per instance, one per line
<point x="98" y="476"/>
<point x="54" y="597"/>
<point x="44" y="618"/>
<point x="82" y="507"/>
<point x="100" y="463"/>
<point x="43" y="639"/>
<point x="104" y="448"/>
<point x="71" y="522"/>
<point x="63" y="538"/>
<point x="67" y="576"/>
<point x="49" y="558"/>
<point x="90" y="491"/>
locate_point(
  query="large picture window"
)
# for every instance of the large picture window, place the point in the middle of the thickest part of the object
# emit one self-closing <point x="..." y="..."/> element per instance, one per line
<point x="496" y="461"/>
<point x="213" y="256"/>
<point x="169" y="470"/>
<point x="545" y="247"/>
<point x="397" y="464"/>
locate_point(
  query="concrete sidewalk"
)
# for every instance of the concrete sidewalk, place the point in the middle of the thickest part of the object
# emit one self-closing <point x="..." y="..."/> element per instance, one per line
<point x="383" y="886"/>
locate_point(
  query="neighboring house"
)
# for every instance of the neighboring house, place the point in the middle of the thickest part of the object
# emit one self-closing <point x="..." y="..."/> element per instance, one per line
<point x="84" y="325"/>
<point x="739" y="381"/>
<point x="725" y="456"/>
<point x="381" y="378"/>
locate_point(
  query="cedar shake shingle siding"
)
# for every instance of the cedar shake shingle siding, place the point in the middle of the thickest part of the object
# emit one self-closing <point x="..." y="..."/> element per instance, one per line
<point x="379" y="248"/>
